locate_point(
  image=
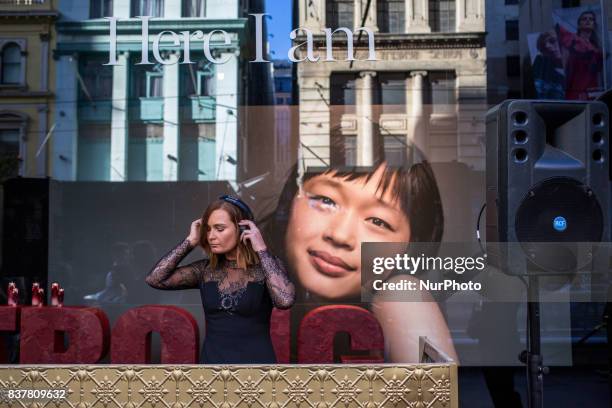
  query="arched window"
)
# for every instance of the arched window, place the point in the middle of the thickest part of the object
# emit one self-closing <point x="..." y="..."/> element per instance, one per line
<point x="11" y="64"/>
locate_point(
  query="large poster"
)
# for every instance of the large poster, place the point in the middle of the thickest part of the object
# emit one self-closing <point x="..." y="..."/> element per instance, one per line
<point x="568" y="59"/>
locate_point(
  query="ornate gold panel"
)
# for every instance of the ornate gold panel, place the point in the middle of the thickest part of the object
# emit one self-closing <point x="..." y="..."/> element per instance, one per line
<point x="316" y="386"/>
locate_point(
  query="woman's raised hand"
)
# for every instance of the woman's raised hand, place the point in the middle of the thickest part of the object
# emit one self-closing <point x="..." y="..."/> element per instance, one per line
<point x="253" y="235"/>
<point x="194" y="233"/>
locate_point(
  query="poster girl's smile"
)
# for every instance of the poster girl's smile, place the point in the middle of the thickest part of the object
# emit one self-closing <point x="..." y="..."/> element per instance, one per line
<point x="329" y="265"/>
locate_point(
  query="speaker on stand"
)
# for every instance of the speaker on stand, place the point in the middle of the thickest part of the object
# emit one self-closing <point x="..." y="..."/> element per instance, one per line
<point x="548" y="190"/>
<point x="607" y="317"/>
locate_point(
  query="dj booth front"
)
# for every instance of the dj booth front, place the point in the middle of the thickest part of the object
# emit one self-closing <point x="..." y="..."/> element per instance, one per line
<point x="62" y="363"/>
<point x="368" y="386"/>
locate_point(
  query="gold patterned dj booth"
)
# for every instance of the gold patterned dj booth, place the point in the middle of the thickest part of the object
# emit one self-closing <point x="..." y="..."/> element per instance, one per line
<point x="317" y="386"/>
<point x="430" y="384"/>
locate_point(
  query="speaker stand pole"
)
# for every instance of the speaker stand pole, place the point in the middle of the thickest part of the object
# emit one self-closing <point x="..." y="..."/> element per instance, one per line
<point x="533" y="358"/>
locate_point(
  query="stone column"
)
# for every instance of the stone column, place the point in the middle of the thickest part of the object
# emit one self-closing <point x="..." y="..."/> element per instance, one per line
<point x="226" y="130"/>
<point x="417" y="129"/>
<point x="365" y="117"/>
<point x="417" y="16"/>
<point x="359" y="9"/>
<point x="119" y="119"/>
<point x="170" y="150"/>
<point x="470" y="15"/>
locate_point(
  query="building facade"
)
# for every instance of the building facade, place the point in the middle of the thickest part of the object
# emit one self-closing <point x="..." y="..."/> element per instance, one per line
<point x="27" y="71"/>
<point x="503" y="51"/>
<point x="427" y="87"/>
<point x="285" y="151"/>
<point x="156" y="121"/>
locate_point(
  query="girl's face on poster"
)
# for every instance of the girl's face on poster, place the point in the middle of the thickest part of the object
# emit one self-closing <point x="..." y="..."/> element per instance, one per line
<point x="221" y="232"/>
<point x="329" y="221"/>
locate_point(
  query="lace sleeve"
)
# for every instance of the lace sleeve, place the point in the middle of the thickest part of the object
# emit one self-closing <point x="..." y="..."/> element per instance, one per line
<point x="166" y="275"/>
<point x="281" y="289"/>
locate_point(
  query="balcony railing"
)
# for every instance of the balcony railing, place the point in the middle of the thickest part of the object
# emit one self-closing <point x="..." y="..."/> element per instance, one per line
<point x="203" y="108"/>
<point x="152" y="109"/>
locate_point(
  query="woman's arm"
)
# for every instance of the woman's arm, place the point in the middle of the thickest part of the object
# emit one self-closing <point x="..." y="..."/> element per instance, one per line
<point x="566" y="38"/>
<point x="165" y="274"/>
<point x="404" y="322"/>
<point x="281" y="289"/>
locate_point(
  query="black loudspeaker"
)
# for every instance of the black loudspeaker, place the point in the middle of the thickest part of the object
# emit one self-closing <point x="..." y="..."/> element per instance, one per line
<point x="547" y="179"/>
<point x="25" y="235"/>
<point x="606" y="98"/>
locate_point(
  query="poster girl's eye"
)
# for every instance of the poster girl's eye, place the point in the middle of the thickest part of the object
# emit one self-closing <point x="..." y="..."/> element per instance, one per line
<point x="381" y="223"/>
<point x="321" y="202"/>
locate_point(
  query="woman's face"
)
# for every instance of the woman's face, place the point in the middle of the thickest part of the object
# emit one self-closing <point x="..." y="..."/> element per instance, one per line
<point x="222" y="234"/>
<point x="586" y="22"/>
<point x="328" y="223"/>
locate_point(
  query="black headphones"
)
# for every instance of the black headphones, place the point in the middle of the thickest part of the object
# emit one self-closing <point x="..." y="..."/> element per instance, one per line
<point x="246" y="211"/>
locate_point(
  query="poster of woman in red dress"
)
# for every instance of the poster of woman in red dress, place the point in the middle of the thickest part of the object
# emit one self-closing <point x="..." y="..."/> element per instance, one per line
<point x="581" y="41"/>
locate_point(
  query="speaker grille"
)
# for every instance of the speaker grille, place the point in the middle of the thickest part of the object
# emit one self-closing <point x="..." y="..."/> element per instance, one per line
<point x="574" y="206"/>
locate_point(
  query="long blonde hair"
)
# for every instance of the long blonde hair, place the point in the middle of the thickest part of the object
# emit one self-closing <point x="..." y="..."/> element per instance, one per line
<point x="246" y="255"/>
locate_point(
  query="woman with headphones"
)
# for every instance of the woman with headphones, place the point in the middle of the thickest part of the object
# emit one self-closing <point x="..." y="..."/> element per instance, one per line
<point x="239" y="283"/>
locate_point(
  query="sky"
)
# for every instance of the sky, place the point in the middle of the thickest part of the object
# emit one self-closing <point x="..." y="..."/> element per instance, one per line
<point x="279" y="27"/>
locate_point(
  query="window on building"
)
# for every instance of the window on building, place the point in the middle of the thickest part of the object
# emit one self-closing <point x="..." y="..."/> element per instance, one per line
<point x="9" y="153"/>
<point x="511" y="2"/>
<point x="513" y="66"/>
<point x="100" y="8"/>
<point x="282" y="84"/>
<point x="155" y="83"/>
<point x="147" y="81"/>
<point x="11" y="64"/>
<point x="194" y="8"/>
<point x="443" y="95"/>
<point x="392" y="92"/>
<point x="395" y="150"/>
<point x="97" y="78"/>
<point x="339" y="13"/>
<point x="153" y="8"/>
<point x="206" y="83"/>
<point x="343" y="92"/>
<point x="512" y="30"/>
<point x="391" y="16"/>
<point x="199" y="79"/>
<point x="442" y="15"/>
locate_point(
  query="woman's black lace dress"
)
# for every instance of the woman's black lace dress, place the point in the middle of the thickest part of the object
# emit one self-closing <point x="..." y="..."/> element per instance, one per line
<point x="237" y="303"/>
